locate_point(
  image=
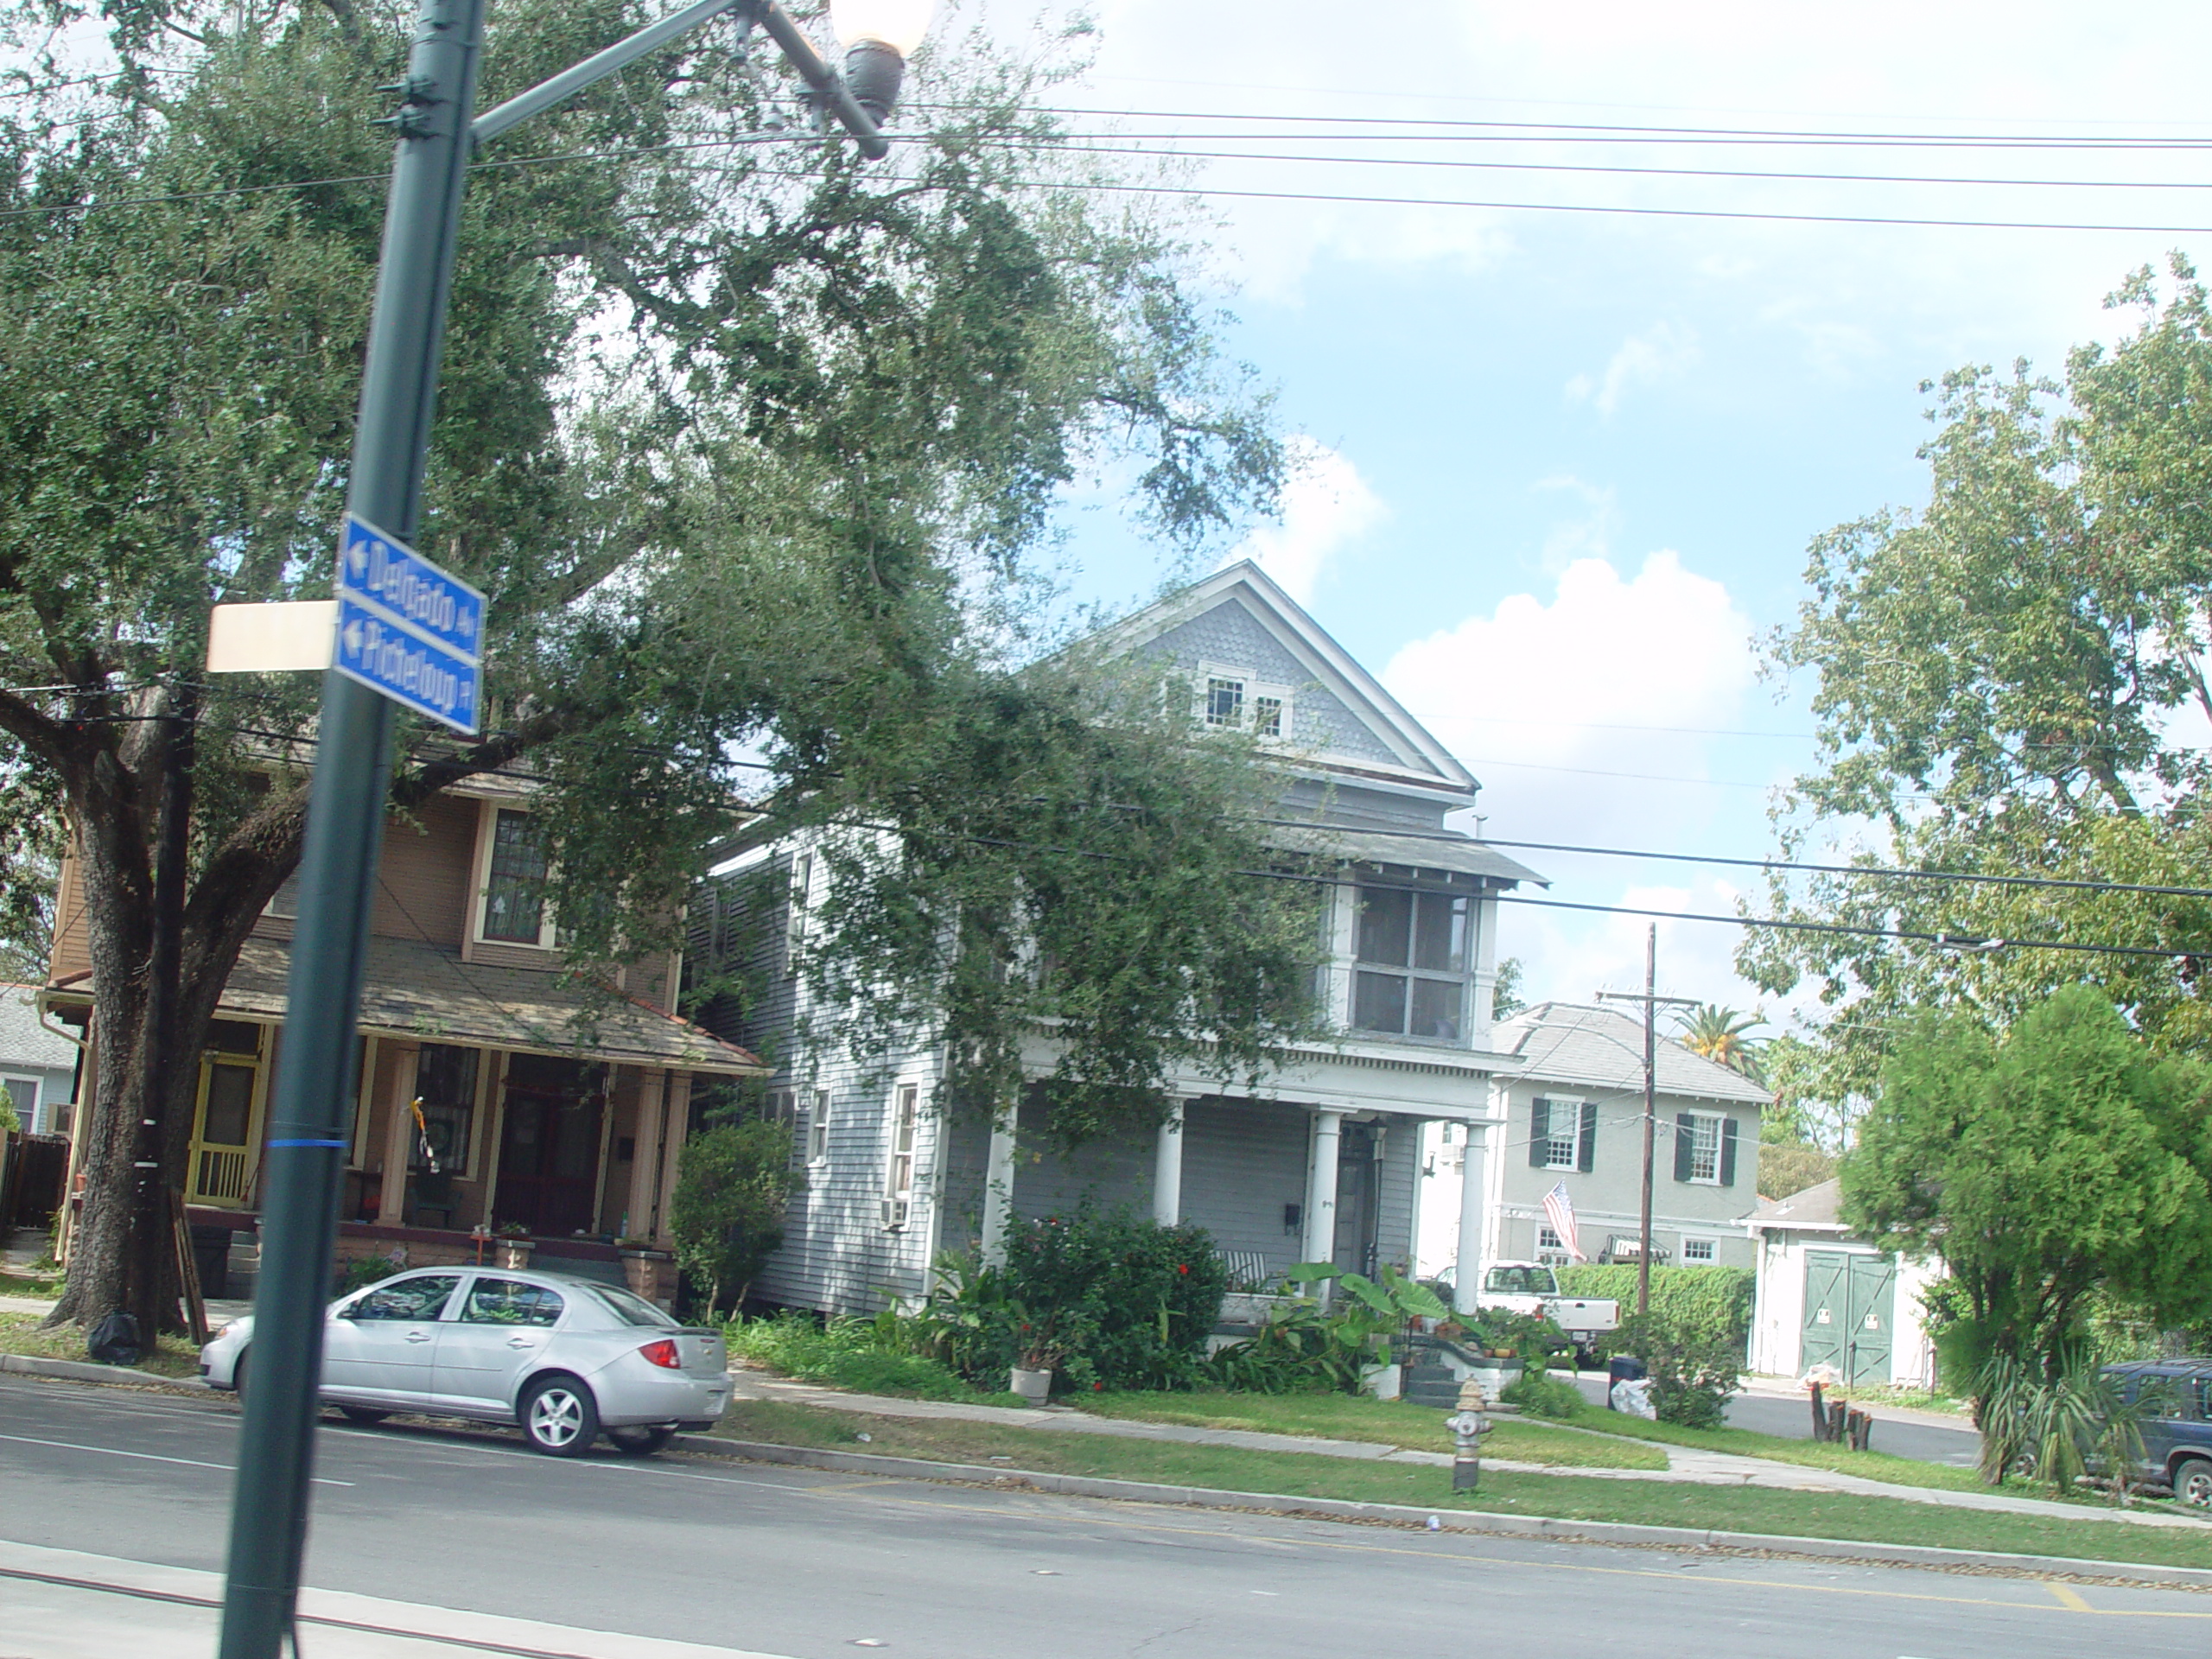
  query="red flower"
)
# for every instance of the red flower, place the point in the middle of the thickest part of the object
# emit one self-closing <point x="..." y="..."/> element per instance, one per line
<point x="1098" y="1388"/>
<point x="1182" y="1267"/>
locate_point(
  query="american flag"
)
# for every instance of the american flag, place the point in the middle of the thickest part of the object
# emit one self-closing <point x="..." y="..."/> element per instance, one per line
<point x="1559" y="1209"/>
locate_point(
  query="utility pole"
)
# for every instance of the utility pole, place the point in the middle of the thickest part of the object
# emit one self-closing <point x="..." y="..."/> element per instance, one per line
<point x="1652" y="999"/>
<point x="437" y="131"/>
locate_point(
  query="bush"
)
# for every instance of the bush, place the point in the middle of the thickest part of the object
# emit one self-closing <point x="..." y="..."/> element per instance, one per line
<point x="359" y="1271"/>
<point x="1692" y="1370"/>
<point x="1710" y="1302"/>
<point x="726" y="1215"/>
<point x="1535" y="1391"/>
<point x="869" y="1356"/>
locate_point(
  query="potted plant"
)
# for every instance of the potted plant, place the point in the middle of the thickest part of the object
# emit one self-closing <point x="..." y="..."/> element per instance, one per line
<point x="515" y="1245"/>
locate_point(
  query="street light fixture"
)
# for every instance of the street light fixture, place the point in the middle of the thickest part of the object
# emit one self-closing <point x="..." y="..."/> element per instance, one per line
<point x="878" y="36"/>
<point x="311" y="1109"/>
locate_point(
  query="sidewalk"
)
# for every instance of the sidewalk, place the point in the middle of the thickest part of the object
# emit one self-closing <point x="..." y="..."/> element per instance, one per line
<point x="1684" y="1465"/>
<point x="63" y="1604"/>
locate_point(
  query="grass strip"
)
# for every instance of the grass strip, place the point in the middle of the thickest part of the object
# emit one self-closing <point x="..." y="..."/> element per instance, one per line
<point x="1392" y="1422"/>
<point x="20" y="1334"/>
<point x="1751" y="1510"/>
<point x="20" y="1284"/>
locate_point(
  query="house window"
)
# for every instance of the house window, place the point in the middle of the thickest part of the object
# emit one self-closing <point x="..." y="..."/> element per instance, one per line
<point x="1267" y="716"/>
<point x="1563" y="1135"/>
<point x="1229" y="699"/>
<point x="1551" y="1249"/>
<point x="1224" y="701"/>
<point x="1705" y="1149"/>
<point x="446" y="1076"/>
<point x="514" y="884"/>
<point x="817" y="1130"/>
<point x="802" y="888"/>
<point x="22" y="1094"/>
<point x="1698" y="1249"/>
<point x="898" y="1177"/>
<point x="1423" y="936"/>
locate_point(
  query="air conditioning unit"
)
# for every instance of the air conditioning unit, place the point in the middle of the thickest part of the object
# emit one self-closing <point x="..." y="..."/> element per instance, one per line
<point x="895" y="1214"/>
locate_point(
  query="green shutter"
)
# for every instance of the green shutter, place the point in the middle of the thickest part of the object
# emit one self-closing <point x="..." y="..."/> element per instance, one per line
<point x="1540" y="1131"/>
<point x="1685" y="1138"/>
<point x="1588" y="1160"/>
<point x="1727" y="1152"/>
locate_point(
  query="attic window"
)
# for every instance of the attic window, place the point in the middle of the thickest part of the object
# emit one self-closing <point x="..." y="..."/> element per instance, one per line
<point x="1267" y="716"/>
<point x="1231" y="699"/>
<point x="1224" y="701"/>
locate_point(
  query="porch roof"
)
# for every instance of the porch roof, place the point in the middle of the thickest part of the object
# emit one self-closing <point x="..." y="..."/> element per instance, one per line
<point x="1423" y="850"/>
<point x="426" y="991"/>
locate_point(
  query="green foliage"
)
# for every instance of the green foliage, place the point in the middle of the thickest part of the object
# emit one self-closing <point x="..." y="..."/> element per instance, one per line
<point x="1505" y="998"/>
<point x="1544" y="1395"/>
<point x="1105" y="1300"/>
<point x="1303" y="1346"/>
<point x="1532" y="1337"/>
<point x="1694" y="1364"/>
<point x="2062" y="1161"/>
<point x="2002" y="683"/>
<point x="362" y="1270"/>
<point x="1714" y="1301"/>
<point x="733" y="1183"/>
<point x="1722" y="1035"/>
<point x="2057" y="1428"/>
<point x="862" y="1355"/>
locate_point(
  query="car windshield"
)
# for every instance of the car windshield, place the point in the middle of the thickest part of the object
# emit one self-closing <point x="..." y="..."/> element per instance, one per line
<point x="632" y="1309"/>
<point x="1521" y="1282"/>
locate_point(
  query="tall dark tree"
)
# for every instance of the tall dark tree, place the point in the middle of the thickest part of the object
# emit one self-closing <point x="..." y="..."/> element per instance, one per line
<point x="748" y="442"/>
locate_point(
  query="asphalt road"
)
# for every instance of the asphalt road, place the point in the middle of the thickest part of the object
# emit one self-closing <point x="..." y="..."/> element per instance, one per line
<point x="1792" y="1419"/>
<point x="810" y="1565"/>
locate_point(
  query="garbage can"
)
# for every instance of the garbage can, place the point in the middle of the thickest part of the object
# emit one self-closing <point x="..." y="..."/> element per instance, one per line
<point x="1621" y="1368"/>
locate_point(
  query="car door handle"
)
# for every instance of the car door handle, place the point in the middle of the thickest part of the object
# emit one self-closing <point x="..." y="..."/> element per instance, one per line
<point x="522" y="1342"/>
<point x="419" y="1336"/>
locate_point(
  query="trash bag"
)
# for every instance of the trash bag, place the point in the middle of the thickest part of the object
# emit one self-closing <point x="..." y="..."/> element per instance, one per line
<point x="115" y="1340"/>
<point x="1633" y="1396"/>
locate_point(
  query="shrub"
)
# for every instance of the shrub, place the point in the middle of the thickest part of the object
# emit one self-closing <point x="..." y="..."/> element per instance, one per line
<point x="362" y="1270"/>
<point x="727" y="1215"/>
<point x="1692" y="1370"/>
<point x="1535" y="1391"/>
<point x="1713" y="1302"/>
<point x="1126" y="1304"/>
<point x="863" y="1355"/>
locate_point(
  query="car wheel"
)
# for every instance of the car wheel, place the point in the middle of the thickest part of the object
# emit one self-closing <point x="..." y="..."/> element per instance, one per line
<point x="559" y="1417"/>
<point x="2193" y="1483"/>
<point x="238" y="1376"/>
<point x="639" y="1442"/>
<point x="362" y="1413"/>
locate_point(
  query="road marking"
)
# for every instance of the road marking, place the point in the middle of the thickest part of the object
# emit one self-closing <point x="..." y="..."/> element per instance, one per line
<point x="2069" y="1597"/>
<point x="146" y="1457"/>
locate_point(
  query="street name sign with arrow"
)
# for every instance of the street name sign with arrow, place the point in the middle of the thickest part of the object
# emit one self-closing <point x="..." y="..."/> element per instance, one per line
<point x="407" y="629"/>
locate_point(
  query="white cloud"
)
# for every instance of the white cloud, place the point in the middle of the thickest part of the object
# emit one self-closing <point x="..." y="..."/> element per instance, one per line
<point x="1326" y="506"/>
<point x="1664" y="350"/>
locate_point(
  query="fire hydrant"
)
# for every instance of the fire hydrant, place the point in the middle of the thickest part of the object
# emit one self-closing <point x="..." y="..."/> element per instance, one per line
<point x="1468" y="1426"/>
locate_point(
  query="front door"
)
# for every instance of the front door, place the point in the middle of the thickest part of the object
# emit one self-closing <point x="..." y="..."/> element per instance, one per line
<point x="1359" y="1191"/>
<point x="220" y="1171"/>
<point x="379" y="1347"/>
<point x="486" y="1350"/>
<point x="549" y="1148"/>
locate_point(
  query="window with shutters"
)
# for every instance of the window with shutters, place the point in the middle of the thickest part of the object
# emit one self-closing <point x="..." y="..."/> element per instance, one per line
<point x="1411" y="977"/>
<point x="1705" y="1149"/>
<point x="1563" y="1135"/>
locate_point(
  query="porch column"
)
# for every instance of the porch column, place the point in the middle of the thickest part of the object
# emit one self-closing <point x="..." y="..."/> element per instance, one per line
<point x="998" y="1185"/>
<point x="1168" y="1168"/>
<point x="675" y="1129"/>
<point x="1474" y="1209"/>
<point x="398" y="1132"/>
<point x="638" y="1216"/>
<point x="1319" y="1243"/>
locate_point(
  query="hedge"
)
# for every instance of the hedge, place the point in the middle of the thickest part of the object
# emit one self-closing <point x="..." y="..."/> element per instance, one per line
<point x="1694" y="1301"/>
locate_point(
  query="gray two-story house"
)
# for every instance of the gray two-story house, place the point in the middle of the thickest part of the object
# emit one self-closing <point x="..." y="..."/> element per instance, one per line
<point x="1320" y="1162"/>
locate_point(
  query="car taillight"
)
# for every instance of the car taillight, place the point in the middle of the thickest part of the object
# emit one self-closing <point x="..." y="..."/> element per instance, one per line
<point x="663" y="1353"/>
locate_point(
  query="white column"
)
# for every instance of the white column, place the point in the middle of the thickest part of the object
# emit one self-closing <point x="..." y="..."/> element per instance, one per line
<point x="1474" y="1209"/>
<point x="1167" y="1169"/>
<point x="998" y="1185"/>
<point x="1320" y="1241"/>
<point x="398" y="1134"/>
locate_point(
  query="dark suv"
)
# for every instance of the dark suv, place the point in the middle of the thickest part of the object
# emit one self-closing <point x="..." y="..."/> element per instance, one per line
<point x="2176" y="1423"/>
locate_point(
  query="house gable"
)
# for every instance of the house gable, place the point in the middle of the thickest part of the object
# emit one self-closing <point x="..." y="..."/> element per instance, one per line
<point x="1239" y="621"/>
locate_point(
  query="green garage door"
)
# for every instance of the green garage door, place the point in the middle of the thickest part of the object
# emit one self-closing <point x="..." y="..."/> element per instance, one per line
<point x="1849" y="1300"/>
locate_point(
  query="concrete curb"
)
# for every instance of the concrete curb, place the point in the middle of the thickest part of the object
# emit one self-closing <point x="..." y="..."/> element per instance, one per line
<point x="80" y="1371"/>
<point x="1401" y="1515"/>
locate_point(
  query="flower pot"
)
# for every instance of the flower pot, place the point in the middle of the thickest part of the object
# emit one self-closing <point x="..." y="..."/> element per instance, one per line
<point x="515" y="1252"/>
<point x="1384" y="1382"/>
<point x="1035" y="1387"/>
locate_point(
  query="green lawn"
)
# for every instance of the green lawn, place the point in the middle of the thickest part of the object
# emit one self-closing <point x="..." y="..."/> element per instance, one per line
<point x="19" y="1334"/>
<point x="1811" y="1454"/>
<point x="1751" y="1510"/>
<point x="18" y="1284"/>
<point x="1393" y="1422"/>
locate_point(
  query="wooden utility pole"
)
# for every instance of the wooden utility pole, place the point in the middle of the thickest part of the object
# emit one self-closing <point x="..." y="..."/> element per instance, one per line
<point x="1652" y="999"/>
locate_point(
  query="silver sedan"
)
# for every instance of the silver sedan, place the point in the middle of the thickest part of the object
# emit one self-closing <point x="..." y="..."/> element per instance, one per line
<point x="567" y="1359"/>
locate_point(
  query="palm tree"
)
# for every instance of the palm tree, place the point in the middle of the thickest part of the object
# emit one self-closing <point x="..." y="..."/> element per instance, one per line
<point x="1718" y="1034"/>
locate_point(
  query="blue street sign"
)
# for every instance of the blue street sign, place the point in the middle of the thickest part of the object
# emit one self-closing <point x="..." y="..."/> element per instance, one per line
<point x="385" y="574"/>
<point x="405" y="667"/>
<point x="407" y="629"/>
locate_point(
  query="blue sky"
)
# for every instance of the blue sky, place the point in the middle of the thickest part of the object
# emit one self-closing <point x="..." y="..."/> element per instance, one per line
<point x="1558" y="469"/>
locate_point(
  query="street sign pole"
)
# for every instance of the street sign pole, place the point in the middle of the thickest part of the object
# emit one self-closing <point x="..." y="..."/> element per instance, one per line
<point x="317" y="1064"/>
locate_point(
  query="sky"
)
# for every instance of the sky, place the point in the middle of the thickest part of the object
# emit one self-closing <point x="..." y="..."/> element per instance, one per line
<point x="1557" y="471"/>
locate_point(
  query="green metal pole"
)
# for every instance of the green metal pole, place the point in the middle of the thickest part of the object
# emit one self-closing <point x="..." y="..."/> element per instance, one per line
<point x="316" y="1068"/>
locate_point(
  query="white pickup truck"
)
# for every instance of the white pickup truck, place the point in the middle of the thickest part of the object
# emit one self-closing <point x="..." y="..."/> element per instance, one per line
<point x="1530" y="1287"/>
